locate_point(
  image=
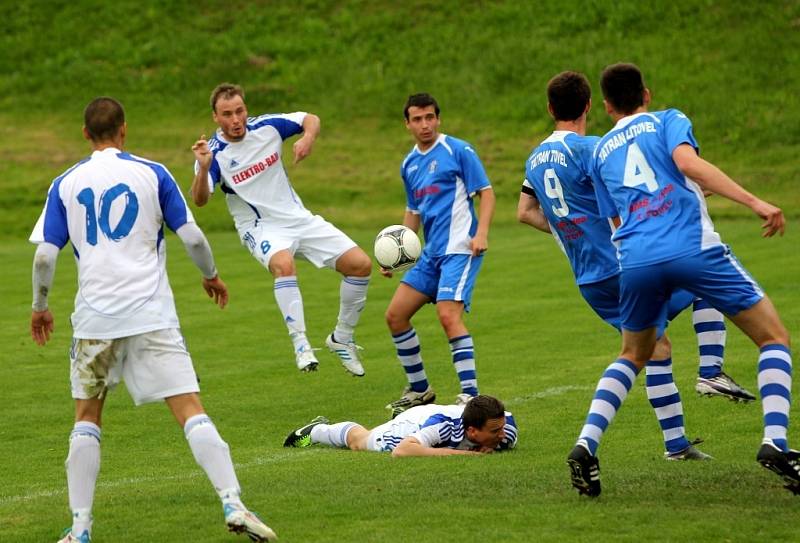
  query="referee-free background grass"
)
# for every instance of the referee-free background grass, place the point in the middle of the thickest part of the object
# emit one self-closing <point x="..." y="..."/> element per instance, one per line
<point x="538" y="347"/>
<point x="730" y="66"/>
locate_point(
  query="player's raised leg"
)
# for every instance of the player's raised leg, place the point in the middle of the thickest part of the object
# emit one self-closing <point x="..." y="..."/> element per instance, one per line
<point x="213" y="455"/>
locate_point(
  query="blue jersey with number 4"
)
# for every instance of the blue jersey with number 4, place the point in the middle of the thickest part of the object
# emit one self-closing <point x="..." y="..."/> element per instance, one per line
<point x="663" y="212"/>
<point x="557" y="174"/>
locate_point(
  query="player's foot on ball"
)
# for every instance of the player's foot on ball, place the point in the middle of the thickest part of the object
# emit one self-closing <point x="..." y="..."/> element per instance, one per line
<point x="348" y="355"/>
<point x="306" y="359"/>
<point x="410" y="399"/>
<point x="785" y="464"/>
<point x="241" y="521"/>
<point x="723" y="385"/>
<point x="584" y="471"/>
<point x="302" y="436"/>
<point x="68" y="537"/>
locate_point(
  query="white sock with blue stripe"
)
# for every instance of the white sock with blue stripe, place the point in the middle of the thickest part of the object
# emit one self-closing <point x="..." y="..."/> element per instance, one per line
<point x="408" y="352"/>
<point x="83" y="465"/>
<point x="352" y="299"/>
<point x="213" y="455"/>
<point x="666" y="401"/>
<point x="709" y="325"/>
<point x="290" y="303"/>
<point x="775" y="386"/>
<point x="612" y="389"/>
<point x="332" y="435"/>
<point x="463" y="351"/>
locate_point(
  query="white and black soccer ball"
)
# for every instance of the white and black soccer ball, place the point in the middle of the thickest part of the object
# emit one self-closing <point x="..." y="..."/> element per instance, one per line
<point x="397" y="248"/>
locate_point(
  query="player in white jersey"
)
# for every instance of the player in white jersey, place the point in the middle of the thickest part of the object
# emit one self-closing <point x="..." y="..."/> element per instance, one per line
<point x="441" y="176"/>
<point x="244" y="158"/>
<point x="480" y="426"/>
<point x="648" y="172"/>
<point x="113" y="206"/>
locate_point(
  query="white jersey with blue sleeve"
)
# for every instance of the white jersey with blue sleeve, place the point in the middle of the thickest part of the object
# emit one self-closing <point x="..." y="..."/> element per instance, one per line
<point x="663" y="212"/>
<point x="251" y="174"/>
<point x="558" y="175"/>
<point x="440" y="183"/>
<point x="441" y="426"/>
<point x="112" y="206"/>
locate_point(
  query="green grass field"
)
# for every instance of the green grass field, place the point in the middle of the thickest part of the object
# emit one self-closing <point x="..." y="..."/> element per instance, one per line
<point x="731" y="66"/>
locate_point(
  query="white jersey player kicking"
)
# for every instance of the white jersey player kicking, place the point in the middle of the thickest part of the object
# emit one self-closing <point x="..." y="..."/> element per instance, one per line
<point x="113" y="206"/>
<point x="480" y="426"/>
<point x="244" y="158"/>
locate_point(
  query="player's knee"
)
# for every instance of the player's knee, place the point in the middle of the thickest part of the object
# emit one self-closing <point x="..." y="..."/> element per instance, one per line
<point x="355" y="262"/>
<point x="282" y="264"/>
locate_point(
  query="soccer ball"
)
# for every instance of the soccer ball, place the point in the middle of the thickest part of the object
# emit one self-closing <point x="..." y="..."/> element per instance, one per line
<point x="397" y="248"/>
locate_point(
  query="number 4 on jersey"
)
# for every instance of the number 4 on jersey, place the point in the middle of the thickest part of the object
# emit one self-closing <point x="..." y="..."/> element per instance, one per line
<point x="638" y="171"/>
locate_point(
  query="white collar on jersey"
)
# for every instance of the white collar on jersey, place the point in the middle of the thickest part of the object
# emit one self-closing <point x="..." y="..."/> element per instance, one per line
<point x="558" y="136"/>
<point x="439" y="140"/>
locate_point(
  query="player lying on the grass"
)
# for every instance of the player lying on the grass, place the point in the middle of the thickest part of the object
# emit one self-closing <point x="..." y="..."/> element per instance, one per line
<point x="479" y="427"/>
<point x="557" y="174"/>
<point x="113" y="206"/>
<point x="648" y="172"/>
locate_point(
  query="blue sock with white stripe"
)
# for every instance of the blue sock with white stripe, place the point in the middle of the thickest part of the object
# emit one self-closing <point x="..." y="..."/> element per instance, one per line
<point x="612" y="389"/>
<point x="463" y="351"/>
<point x="666" y="401"/>
<point x="709" y="325"/>
<point x="332" y="435"/>
<point x="408" y="352"/>
<point x="83" y="465"/>
<point x="352" y="299"/>
<point x="775" y="385"/>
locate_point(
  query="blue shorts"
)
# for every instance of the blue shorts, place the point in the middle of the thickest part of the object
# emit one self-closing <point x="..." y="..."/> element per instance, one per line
<point x="714" y="275"/>
<point x="603" y="298"/>
<point x="446" y="277"/>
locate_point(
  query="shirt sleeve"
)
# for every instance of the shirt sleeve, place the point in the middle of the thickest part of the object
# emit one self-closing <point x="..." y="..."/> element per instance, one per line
<point x="173" y="205"/>
<point x="527" y="188"/>
<point x="433" y="434"/>
<point x="287" y="124"/>
<point x="410" y="203"/>
<point x="472" y="170"/>
<point x="678" y="130"/>
<point x="511" y="432"/>
<point x="52" y="224"/>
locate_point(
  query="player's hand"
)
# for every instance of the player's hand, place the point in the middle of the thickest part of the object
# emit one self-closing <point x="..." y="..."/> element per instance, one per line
<point x="774" y="221"/>
<point x="41" y="326"/>
<point x="216" y="289"/>
<point x="302" y="148"/>
<point x="202" y="153"/>
<point x="385" y="272"/>
<point x="479" y="245"/>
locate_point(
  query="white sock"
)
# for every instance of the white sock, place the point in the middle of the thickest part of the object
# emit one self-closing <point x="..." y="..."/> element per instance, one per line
<point x="352" y="299"/>
<point x="290" y="302"/>
<point x="212" y="454"/>
<point x="333" y="435"/>
<point x="83" y="465"/>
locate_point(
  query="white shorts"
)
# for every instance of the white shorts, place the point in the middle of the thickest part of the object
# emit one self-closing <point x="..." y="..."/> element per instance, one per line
<point x="315" y="239"/>
<point x="154" y="365"/>
<point x="387" y="436"/>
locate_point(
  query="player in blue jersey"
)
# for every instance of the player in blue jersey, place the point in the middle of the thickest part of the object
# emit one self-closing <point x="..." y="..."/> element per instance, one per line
<point x="441" y="175"/>
<point x="557" y="174"/>
<point x="648" y="172"/>
<point x="244" y="158"/>
<point x="480" y="426"/>
<point x="113" y="206"/>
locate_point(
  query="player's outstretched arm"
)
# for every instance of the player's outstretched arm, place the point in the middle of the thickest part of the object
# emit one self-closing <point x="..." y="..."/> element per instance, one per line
<point x="480" y="242"/>
<point x="412" y="447"/>
<point x="44" y="268"/>
<point x="302" y="147"/>
<point x="200" y="252"/>
<point x="529" y="212"/>
<point x="711" y="178"/>
<point x="203" y="156"/>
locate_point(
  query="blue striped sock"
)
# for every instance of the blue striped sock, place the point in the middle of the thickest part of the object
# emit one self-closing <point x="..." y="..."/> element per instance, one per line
<point x="709" y="325"/>
<point x="775" y="385"/>
<point x="408" y="352"/>
<point x="464" y="361"/>
<point x="666" y="401"/>
<point x="612" y="389"/>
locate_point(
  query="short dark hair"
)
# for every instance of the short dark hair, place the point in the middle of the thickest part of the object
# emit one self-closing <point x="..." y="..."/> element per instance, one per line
<point x="480" y="409"/>
<point x="623" y="87"/>
<point x="103" y="118"/>
<point x="227" y="91"/>
<point x="422" y="99"/>
<point x="568" y="94"/>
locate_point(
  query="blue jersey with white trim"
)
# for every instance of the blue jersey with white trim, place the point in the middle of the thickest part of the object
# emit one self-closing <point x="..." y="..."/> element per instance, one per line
<point x="440" y="184"/>
<point x="663" y="212"/>
<point x="112" y="206"/>
<point x="558" y="175"/>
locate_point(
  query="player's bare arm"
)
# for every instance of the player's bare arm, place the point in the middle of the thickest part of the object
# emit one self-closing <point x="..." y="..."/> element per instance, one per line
<point x="302" y="147"/>
<point x="412" y="447"/>
<point x="203" y="155"/>
<point x="711" y="178"/>
<point x="529" y="212"/>
<point x="44" y="267"/>
<point x="480" y="242"/>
